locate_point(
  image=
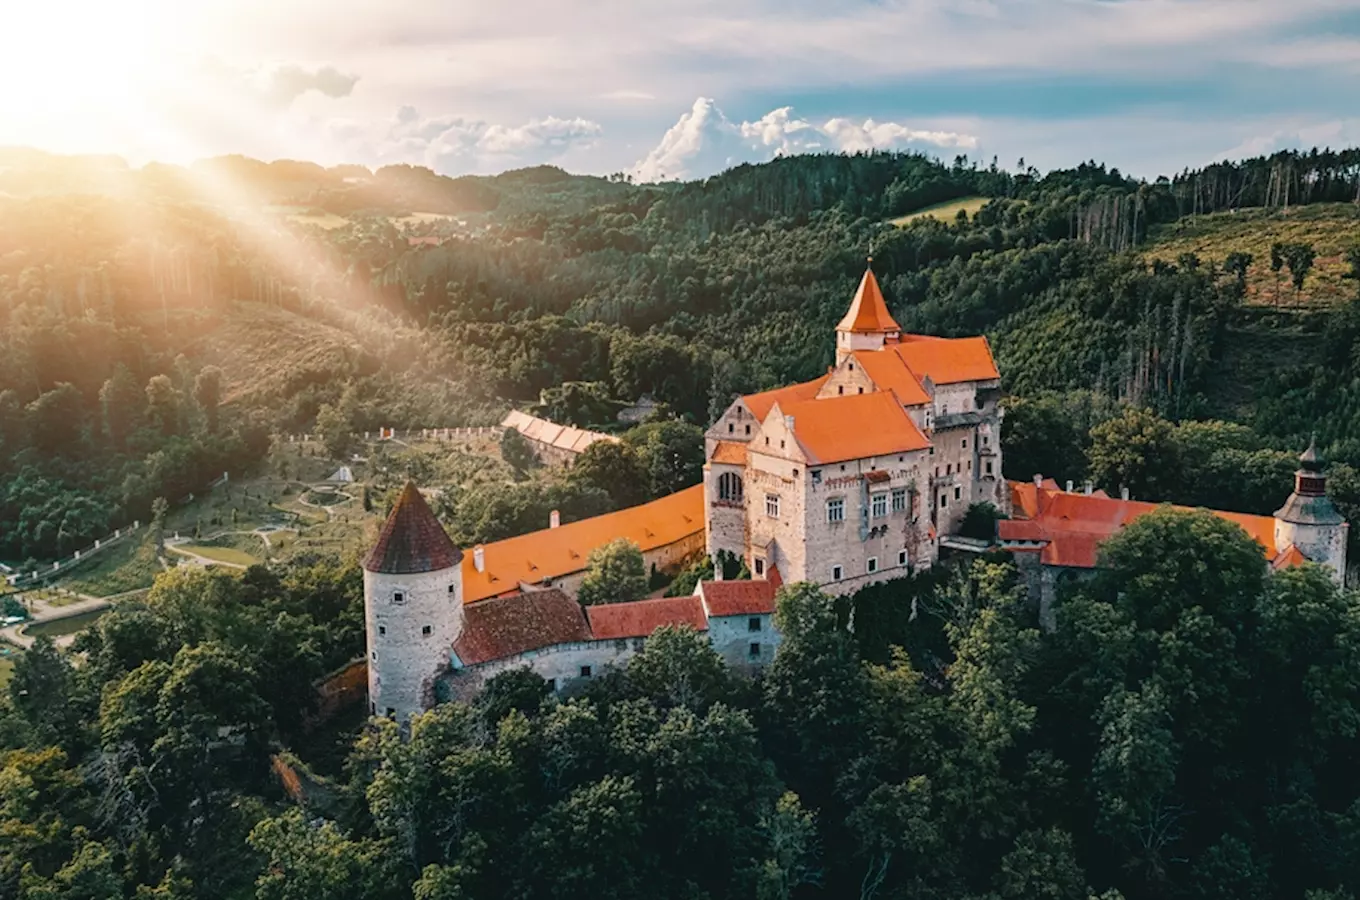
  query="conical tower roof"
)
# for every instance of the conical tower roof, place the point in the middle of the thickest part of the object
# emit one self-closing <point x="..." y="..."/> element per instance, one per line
<point x="412" y="540"/>
<point x="1311" y="460"/>
<point x="868" y="311"/>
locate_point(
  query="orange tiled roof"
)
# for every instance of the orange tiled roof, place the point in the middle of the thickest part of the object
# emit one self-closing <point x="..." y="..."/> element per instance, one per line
<point x="947" y="360"/>
<point x="890" y="372"/>
<point x="759" y="404"/>
<point x="554" y="552"/>
<point x="1289" y="558"/>
<point x="1073" y="525"/>
<point x="411" y="540"/>
<point x="740" y="598"/>
<point x="640" y="618"/>
<point x="855" y="426"/>
<point x="868" y="313"/>
<point x="730" y="453"/>
<point x="509" y="626"/>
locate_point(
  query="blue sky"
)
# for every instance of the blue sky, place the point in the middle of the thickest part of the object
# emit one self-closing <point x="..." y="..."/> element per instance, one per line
<point x="683" y="89"/>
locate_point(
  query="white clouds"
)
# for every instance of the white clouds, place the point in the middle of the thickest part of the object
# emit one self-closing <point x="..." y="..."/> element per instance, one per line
<point x="1337" y="133"/>
<point x="453" y="144"/>
<point x="704" y="141"/>
<point x="284" y="84"/>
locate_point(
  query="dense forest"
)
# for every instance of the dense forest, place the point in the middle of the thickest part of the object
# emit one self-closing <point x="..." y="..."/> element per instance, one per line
<point x="1188" y="731"/>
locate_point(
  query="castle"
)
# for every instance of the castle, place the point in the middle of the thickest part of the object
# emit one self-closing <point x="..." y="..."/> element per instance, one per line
<point x="844" y="481"/>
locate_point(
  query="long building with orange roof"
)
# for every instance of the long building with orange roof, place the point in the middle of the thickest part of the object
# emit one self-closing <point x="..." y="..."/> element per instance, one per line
<point x="1056" y="533"/>
<point x="851" y="478"/>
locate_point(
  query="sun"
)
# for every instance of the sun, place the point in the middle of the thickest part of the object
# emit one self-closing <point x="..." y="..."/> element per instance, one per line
<point x="69" y="65"/>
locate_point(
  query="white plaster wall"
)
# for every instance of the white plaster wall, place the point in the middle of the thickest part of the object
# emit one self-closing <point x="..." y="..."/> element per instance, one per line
<point x="561" y="664"/>
<point x="732" y="638"/>
<point x="1323" y="544"/>
<point x="847" y="342"/>
<point x="403" y="662"/>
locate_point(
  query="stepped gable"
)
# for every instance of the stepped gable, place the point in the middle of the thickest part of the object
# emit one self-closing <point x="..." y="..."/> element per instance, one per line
<point x="868" y="313"/>
<point x="521" y="623"/>
<point x="412" y="540"/>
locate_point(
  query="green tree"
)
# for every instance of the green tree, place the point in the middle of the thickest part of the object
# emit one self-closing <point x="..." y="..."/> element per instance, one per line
<point x="1136" y="450"/>
<point x="670" y="453"/>
<point x="57" y="420"/>
<point x="517" y="452"/>
<point x="615" y="573"/>
<point x="314" y="860"/>
<point x="208" y="395"/>
<point x="121" y="403"/>
<point x="1238" y="264"/>
<point x="1300" y="258"/>
<point x="612" y="467"/>
<point x="1277" y="262"/>
<point x="163" y="404"/>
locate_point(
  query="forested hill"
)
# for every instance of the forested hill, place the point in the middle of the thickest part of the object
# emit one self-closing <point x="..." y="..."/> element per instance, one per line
<point x="441" y="301"/>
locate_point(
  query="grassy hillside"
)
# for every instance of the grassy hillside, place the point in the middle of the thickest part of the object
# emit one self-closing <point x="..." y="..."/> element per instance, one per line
<point x="945" y="212"/>
<point x="1330" y="227"/>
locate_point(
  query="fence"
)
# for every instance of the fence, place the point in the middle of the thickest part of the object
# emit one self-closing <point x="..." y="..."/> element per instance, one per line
<point x="413" y="434"/>
<point x="22" y="579"/>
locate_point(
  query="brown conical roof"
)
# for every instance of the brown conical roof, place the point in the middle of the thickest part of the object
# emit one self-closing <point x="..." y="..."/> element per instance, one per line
<point x="869" y="311"/>
<point x="412" y="540"/>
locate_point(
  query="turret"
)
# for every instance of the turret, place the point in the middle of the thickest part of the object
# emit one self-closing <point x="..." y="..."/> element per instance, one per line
<point x="413" y="607"/>
<point x="867" y="324"/>
<point x="1308" y="521"/>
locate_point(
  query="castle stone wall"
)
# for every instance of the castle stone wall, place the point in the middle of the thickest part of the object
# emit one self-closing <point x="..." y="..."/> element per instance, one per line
<point x="404" y="659"/>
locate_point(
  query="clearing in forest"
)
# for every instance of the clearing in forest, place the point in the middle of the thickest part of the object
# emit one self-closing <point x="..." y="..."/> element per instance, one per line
<point x="1331" y="228"/>
<point x="945" y="212"/>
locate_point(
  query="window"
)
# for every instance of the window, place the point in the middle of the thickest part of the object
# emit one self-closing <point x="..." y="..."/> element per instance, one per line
<point x="398" y="597"/>
<point x="958" y="493"/>
<point x="989" y="467"/>
<point x="748" y="429"/>
<point x="453" y="589"/>
<point x="932" y="451"/>
<point x="772" y="505"/>
<point x="879" y="504"/>
<point x="374" y="655"/>
<point x="729" y="487"/>
<point x="781" y="445"/>
<point x="372" y="709"/>
<point x="795" y="473"/>
<point x="840" y="389"/>
<point x="899" y="499"/>
<point x="767" y="440"/>
<point x="426" y="630"/>
<point x="835" y="573"/>
<point x="731" y="427"/>
<point x="949" y="468"/>
<point x="585" y="671"/>
<point x="753" y="623"/>
<point x="760" y="567"/>
<point x="382" y="629"/>
<point x="944" y="500"/>
<point x="873" y="564"/>
<point x="754" y="652"/>
<point x="816" y="476"/>
<point x="937" y="471"/>
<point x="970" y="465"/>
<point x="391" y="712"/>
<point x="852" y="367"/>
<point x="861" y="390"/>
<point x="835" y="509"/>
<point x="965" y="443"/>
<point x="901" y="557"/>
<point x="944" y="410"/>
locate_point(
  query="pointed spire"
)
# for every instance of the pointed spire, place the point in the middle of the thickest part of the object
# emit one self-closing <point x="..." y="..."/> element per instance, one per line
<point x="412" y="540"/>
<point x="868" y="312"/>
<point x="1310" y="459"/>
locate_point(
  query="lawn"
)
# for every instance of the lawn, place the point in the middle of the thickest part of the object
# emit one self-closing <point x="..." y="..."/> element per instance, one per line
<point x="229" y="555"/>
<point x="945" y="212"/>
<point x="8" y="657"/>
<point x="1330" y="228"/>
<point x="129" y="566"/>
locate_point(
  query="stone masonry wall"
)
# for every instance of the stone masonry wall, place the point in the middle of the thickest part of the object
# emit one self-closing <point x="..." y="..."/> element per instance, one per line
<point x="404" y="659"/>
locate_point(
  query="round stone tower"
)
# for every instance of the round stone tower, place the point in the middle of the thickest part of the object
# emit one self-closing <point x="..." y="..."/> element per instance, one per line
<point x="413" y="608"/>
<point x="1308" y="521"/>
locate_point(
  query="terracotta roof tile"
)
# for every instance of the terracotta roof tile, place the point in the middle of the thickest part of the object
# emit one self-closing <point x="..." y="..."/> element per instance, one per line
<point x="411" y="540"/>
<point x="1074" y="524"/>
<point x="740" y="598"/>
<point x="639" y="619"/>
<point x="856" y="426"/>
<point x="554" y="552"/>
<point x="947" y="360"/>
<point x="868" y="313"/>
<point x="759" y="404"/>
<point x="508" y="626"/>
<point x="729" y="453"/>
<point x="1289" y="558"/>
<point x="890" y="372"/>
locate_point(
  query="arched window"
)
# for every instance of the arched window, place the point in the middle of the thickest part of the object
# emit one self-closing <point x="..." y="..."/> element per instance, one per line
<point x="729" y="487"/>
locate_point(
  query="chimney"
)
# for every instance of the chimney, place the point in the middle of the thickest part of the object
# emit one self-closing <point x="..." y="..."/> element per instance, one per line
<point x="554" y="519"/>
<point x="717" y="570"/>
<point x="1038" y="480"/>
<point x="1069" y="485"/>
<point x="479" y="558"/>
<point x="1088" y="487"/>
<point x="1124" y="492"/>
